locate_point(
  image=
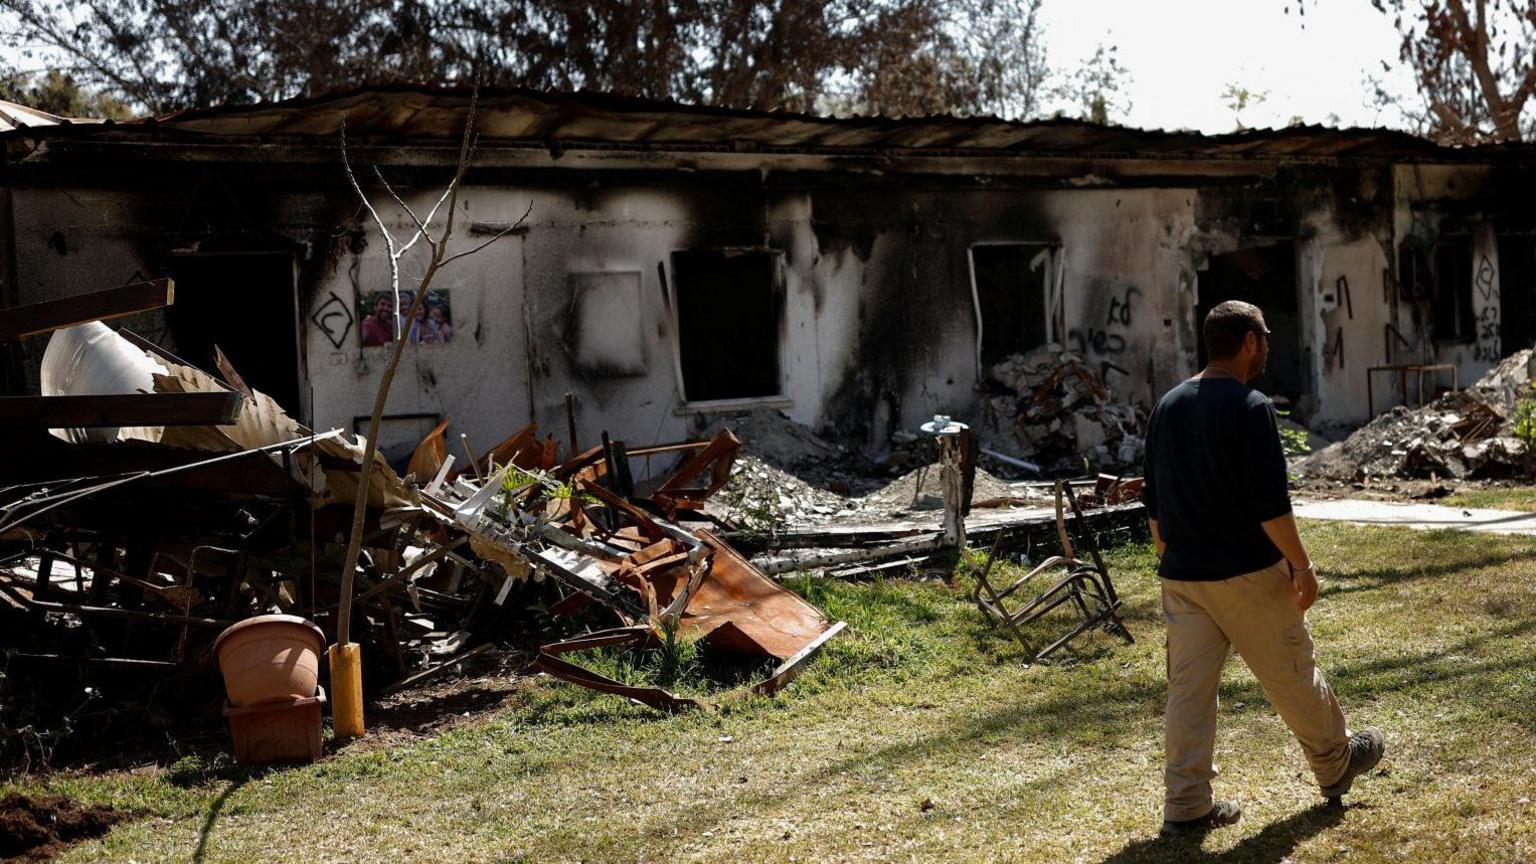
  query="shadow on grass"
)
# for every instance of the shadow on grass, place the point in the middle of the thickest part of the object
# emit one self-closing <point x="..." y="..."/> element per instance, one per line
<point x="1115" y="711"/>
<point x="1425" y="671"/>
<point x="214" y="809"/>
<point x="1273" y="844"/>
<point x="1441" y="562"/>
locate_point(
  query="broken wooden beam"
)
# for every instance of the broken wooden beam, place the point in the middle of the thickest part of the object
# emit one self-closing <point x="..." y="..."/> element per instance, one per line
<point x="121" y="409"/>
<point x="33" y="319"/>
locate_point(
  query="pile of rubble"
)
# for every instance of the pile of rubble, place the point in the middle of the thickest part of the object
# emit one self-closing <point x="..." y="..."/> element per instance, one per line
<point x="158" y="504"/>
<point x="149" y="504"/>
<point x="761" y="496"/>
<point x="1465" y="434"/>
<point x="1058" y="413"/>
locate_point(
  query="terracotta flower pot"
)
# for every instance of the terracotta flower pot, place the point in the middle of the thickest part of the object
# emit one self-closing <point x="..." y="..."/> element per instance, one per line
<point x="269" y="658"/>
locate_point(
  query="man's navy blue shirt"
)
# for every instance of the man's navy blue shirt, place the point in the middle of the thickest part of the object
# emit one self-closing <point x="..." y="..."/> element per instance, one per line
<point x="1214" y="471"/>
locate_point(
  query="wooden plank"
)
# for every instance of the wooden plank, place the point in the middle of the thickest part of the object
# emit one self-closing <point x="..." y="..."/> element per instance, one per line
<point x="22" y="321"/>
<point x="111" y="611"/>
<point x="121" y="409"/>
<point x="126" y="663"/>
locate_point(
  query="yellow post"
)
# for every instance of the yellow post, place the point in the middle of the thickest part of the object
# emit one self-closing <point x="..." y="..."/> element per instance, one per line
<point x="346" y="689"/>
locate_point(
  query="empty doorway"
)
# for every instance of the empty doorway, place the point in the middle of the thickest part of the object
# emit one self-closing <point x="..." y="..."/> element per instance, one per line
<point x="1265" y="277"/>
<point x="246" y="305"/>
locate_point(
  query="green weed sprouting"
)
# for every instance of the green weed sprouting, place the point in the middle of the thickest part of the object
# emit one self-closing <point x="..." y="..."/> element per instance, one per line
<point x="1525" y="417"/>
<point x="1293" y="442"/>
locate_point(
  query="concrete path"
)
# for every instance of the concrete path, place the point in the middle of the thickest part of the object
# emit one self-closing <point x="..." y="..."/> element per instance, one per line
<point x="1422" y="516"/>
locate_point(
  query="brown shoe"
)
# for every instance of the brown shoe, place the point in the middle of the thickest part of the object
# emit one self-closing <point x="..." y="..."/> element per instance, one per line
<point x="1366" y="748"/>
<point x="1224" y="813"/>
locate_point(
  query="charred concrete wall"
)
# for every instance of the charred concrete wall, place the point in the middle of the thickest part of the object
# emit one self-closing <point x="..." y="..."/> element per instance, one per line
<point x="878" y="329"/>
<point x="878" y="326"/>
<point x="1474" y="205"/>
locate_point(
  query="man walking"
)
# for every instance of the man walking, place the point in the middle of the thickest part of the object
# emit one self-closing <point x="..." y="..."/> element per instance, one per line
<point x="1235" y="574"/>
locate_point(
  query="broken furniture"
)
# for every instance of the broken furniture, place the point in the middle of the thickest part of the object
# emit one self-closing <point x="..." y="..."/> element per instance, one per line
<point x="1403" y="370"/>
<point x="183" y="503"/>
<point x="1087" y="586"/>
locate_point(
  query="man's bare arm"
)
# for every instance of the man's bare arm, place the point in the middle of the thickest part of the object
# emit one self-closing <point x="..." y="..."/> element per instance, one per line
<point x="1282" y="532"/>
<point x="1157" y="538"/>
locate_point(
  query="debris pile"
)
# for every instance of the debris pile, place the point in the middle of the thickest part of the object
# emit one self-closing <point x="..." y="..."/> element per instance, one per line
<point x="158" y="503"/>
<point x="127" y="545"/>
<point x="1057" y="412"/>
<point x="763" y="497"/>
<point x="1465" y="434"/>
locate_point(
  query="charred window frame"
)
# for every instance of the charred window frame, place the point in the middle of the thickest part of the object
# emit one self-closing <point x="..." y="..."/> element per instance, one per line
<point x="1439" y="276"/>
<point x="1015" y="292"/>
<point x="727" y="312"/>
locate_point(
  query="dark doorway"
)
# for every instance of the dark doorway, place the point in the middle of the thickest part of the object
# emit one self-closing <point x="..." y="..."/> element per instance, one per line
<point x="728" y="311"/>
<point x="1265" y="277"/>
<point x="1517" y="291"/>
<point x="1011" y="281"/>
<point x="245" y="304"/>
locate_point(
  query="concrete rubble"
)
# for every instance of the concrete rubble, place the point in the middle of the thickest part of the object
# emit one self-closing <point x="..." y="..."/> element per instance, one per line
<point x="1466" y="434"/>
<point x="1055" y="411"/>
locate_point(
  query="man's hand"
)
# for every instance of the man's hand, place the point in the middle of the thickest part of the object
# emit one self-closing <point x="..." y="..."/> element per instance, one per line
<point x="1304" y="583"/>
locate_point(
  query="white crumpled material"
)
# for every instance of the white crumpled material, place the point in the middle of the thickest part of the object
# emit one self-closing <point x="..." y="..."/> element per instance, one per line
<point x="92" y="360"/>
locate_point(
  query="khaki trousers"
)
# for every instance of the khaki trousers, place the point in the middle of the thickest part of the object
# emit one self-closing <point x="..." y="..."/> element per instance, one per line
<point x="1256" y="614"/>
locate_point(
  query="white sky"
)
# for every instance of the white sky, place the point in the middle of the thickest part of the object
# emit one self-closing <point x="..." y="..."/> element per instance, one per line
<point x="1181" y="54"/>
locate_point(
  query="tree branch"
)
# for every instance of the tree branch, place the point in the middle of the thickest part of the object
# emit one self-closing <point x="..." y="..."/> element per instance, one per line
<point x="499" y="234"/>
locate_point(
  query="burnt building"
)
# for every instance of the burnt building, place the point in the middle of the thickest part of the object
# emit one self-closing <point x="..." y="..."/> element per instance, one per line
<point x="676" y="261"/>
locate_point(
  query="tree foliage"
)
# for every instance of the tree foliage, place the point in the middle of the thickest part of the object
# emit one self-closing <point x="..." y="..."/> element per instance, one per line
<point x="1097" y="89"/>
<point x="57" y="93"/>
<point x="889" y="56"/>
<point x="1473" y="63"/>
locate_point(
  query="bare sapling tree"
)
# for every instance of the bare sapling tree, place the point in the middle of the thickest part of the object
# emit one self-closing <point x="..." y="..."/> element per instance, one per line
<point x="438" y="258"/>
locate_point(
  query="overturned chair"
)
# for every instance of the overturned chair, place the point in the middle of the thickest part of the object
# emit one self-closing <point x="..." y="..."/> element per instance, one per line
<point x="1086" y="586"/>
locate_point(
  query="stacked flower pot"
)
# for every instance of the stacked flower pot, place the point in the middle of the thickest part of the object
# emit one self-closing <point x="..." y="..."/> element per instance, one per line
<point x="271" y="669"/>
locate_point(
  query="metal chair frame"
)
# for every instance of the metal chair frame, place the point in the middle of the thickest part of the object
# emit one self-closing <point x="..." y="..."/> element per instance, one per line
<point x="1087" y="586"/>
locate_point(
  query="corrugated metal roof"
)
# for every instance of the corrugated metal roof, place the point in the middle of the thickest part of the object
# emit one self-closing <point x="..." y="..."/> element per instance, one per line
<point x="587" y="119"/>
<point x="16" y="116"/>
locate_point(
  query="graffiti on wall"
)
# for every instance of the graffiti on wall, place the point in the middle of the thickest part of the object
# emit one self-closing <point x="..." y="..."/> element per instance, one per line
<point x="1110" y="338"/>
<point x="1488" y="349"/>
<point x="334" y="320"/>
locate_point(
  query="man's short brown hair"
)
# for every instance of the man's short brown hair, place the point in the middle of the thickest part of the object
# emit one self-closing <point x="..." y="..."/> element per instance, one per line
<point x="1228" y="324"/>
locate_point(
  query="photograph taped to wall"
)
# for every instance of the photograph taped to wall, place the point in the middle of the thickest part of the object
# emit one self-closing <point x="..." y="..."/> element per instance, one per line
<point x="433" y="324"/>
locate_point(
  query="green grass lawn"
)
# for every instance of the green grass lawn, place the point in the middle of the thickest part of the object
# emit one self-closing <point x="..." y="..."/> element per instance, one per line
<point x="1493" y="498"/>
<point x="922" y="735"/>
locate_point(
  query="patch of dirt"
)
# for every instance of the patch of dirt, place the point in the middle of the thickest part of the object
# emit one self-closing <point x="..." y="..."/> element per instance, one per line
<point x="37" y="828"/>
<point x="483" y="686"/>
<point x="922" y="490"/>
